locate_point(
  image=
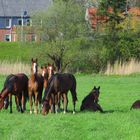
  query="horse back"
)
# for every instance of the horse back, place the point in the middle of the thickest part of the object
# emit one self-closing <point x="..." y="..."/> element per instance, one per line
<point x="63" y="82"/>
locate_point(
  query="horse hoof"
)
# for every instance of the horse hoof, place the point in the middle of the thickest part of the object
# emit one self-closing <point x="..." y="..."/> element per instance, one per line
<point x="73" y="112"/>
<point x="30" y="112"/>
<point x="35" y="112"/>
<point x="64" y="112"/>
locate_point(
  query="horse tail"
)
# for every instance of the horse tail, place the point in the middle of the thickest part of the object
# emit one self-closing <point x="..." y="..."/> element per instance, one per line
<point x="81" y="108"/>
<point x="73" y="89"/>
<point x="26" y="95"/>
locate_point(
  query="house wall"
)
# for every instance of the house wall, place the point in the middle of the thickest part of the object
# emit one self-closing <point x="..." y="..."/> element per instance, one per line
<point x="3" y="32"/>
<point x="10" y="30"/>
<point x="14" y="21"/>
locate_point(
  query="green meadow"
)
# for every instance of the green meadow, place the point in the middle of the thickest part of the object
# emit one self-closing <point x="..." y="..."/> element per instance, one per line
<point x="117" y="123"/>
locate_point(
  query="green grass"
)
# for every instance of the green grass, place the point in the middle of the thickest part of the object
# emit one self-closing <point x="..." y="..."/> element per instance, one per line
<point x="17" y="51"/>
<point x="118" y="123"/>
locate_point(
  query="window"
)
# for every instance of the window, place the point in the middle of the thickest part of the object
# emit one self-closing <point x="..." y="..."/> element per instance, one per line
<point x="8" y="37"/>
<point x="20" y="22"/>
<point x="28" y="22"/>
<point x="8" y="22"/>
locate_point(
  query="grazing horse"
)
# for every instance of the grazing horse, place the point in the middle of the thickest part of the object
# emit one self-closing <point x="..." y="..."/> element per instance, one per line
<point x="47" y="72"/>
<point x="35" y="87"/>
<point x="136" y="105"/>
<point x="15" y="85"/>
<point x="90" y="102"/>
<point x="59" y="84"/>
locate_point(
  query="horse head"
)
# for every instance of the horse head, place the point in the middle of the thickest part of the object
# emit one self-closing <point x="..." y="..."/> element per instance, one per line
<point x="1" y="101"/>
<point x="6" y="102"/>
<point x="45" y="107"/>
<point x="50" y="70"/>
<point x="34" y="66"/>
<point x="96" y="93"/>
<point x="9" y="86"/>
<point x="44" y="71"/>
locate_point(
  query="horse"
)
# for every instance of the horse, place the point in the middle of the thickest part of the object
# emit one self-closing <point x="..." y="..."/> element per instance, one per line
<point x="47" y="72"/>
<point x="136" y="105"/>
<point x="15" y="85"/>
<point x="90" y="102"/>
<point x="35" y="87"/>
<point x="59" y="84"/>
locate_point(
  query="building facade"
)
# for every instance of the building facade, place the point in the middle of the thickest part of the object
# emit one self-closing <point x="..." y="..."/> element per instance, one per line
<point x="15" y="18"/>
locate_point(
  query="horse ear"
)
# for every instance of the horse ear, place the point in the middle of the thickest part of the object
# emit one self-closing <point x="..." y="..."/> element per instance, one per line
<point x="32" y="59"/>
<point x="36" y="59"/>
<point x="98" y="87"/>
<point x="94" y="87"/>
<point x="41" y="67"/>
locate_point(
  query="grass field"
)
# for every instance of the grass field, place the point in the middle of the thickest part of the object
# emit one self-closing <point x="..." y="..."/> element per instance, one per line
<point x="118" y="123"/>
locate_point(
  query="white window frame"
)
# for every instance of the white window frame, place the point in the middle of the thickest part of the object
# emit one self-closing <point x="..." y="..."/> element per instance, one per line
<point x="10" y="37"/>
<point x="9" y="22"/>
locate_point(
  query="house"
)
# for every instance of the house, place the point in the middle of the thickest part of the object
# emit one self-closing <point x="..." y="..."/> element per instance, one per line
<point x="94" y="19"/>
<point x="15" y="15"/>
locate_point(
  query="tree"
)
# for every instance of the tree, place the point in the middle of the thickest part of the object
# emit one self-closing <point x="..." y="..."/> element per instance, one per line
<point x="64" y="21"/>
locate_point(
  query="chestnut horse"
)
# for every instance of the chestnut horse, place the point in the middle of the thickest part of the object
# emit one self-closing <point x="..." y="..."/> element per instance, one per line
<point x="35" y="87"/>
<point x="57" y="85"/>
<point x="47" y="72"/>
<point x="90" y="102"/>
<point x="15" y="85"/>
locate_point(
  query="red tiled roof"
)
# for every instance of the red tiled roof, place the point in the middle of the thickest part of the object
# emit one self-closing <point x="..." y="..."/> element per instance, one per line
<point x="94" y="18"/>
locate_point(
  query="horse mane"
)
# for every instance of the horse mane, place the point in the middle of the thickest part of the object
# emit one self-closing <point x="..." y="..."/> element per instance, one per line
<point x="7" y="79"/>
<point x="8" y="82"/>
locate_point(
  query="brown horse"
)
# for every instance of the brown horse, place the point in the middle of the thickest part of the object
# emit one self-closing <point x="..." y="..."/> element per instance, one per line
<point x="47" y="72"/>
<point x="15" y="85"/>
<point x="90" y="102"/>
<point x="35" y="87"/>
<point x="57" y="85"/>
<point x="136" y="105"/>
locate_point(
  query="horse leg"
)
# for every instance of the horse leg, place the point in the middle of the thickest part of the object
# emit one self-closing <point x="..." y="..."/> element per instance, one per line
<point x="74" y="98"/>
<point x="23" y="101"/>
<point x="40" y="101"/>
<point x="31" y="102"/>
<point x="36" y="103"/>
<point x="99" y="108"/>
<point x="10" y="97"/>
<point x="17" y="103"/>
<point x="56" y="103"/>
<point x="65" y="102"/>
<point x="53" y="101"/>
<point x="62" y="99"/>
<point x="19" y="99"/>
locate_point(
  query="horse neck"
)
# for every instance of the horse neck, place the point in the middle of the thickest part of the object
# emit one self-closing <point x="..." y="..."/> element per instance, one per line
<point x="4" y="93"/>
<point x="33" y="77"/>
<point x="50" y="75"/>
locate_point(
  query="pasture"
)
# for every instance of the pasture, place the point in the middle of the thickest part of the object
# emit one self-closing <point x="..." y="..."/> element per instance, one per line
<point x="118" y="122"/>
